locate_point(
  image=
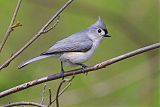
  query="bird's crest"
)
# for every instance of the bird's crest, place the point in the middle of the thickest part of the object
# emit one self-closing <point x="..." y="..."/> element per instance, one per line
<point x="99" y="24"/>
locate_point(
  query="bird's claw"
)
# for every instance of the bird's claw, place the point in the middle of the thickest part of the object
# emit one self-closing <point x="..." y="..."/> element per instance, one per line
<point x="85" y="72"/>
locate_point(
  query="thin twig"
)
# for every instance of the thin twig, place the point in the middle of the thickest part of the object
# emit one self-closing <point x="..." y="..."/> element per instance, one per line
<point x="79" y="71"/>
<point x="43" y="93"/>
<point x="63" y="90"/>
<point x="50" y="96"/>
<point x="16" y="25"/>
<point x="8" y="62"/>
<point x="36" y="36"/>
<point x="54" y="25"/>
<point x="59" y="87"/>
<point x="23" y="103"/>
<point x="60" y="93"/>
<point x="11" y="26"/>
<point x="57" y="93"/>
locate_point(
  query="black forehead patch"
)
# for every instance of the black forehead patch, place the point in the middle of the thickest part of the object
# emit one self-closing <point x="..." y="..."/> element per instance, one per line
<point x="105" y="30"/>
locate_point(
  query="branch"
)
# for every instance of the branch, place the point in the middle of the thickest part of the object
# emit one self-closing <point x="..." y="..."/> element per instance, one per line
<point x="24" y="103"/>
<point x="36" y="36"/>
<point x="43" y="92"/>
<point x="54" y="25"/>
<point x="62" y="91"/>
<point x="11" y="26"/>
<point x="79" y="71"/>
<point x="57" y="93"/>
<point x="59" y="87"/>
<point x="50" y="96"/>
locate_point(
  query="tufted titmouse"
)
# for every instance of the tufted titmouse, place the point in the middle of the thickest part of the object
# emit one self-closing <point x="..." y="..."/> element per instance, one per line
<point x="77" y="48"/>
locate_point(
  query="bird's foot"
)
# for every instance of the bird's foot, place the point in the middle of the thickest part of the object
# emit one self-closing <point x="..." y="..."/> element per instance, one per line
<point x="83" y="66"/>
<point x="85" y="72"/>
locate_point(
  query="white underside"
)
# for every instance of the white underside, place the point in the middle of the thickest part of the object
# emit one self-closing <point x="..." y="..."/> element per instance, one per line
<point x="71" y="58"/>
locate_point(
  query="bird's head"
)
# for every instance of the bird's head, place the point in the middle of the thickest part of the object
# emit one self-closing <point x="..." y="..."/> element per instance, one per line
<point x="99" y="29"/>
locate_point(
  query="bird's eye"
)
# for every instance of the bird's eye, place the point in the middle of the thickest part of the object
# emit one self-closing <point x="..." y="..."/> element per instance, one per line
<point x="99" y="30"/>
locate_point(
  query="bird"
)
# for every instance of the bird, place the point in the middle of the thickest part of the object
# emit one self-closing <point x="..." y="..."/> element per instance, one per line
<point x="76" y="48"/>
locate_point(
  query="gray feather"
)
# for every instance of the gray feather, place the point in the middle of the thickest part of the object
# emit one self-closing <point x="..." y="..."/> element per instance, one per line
<point x="32" y="60"/>
<point x="78" y="42"/>
<point x="99" y="24"/>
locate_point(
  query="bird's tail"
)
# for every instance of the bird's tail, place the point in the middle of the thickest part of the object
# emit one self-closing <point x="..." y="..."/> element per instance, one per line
<point x="33" y="60"/>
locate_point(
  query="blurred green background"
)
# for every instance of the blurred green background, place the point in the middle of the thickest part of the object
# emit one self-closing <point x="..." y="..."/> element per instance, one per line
<point x="129" y="83"/>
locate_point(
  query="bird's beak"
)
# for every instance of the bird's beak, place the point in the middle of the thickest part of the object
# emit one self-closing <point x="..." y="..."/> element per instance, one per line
<point x="107" y="35"/>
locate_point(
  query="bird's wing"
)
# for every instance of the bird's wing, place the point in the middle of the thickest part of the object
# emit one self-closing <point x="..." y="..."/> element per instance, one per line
<point x="78" y="42"/>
